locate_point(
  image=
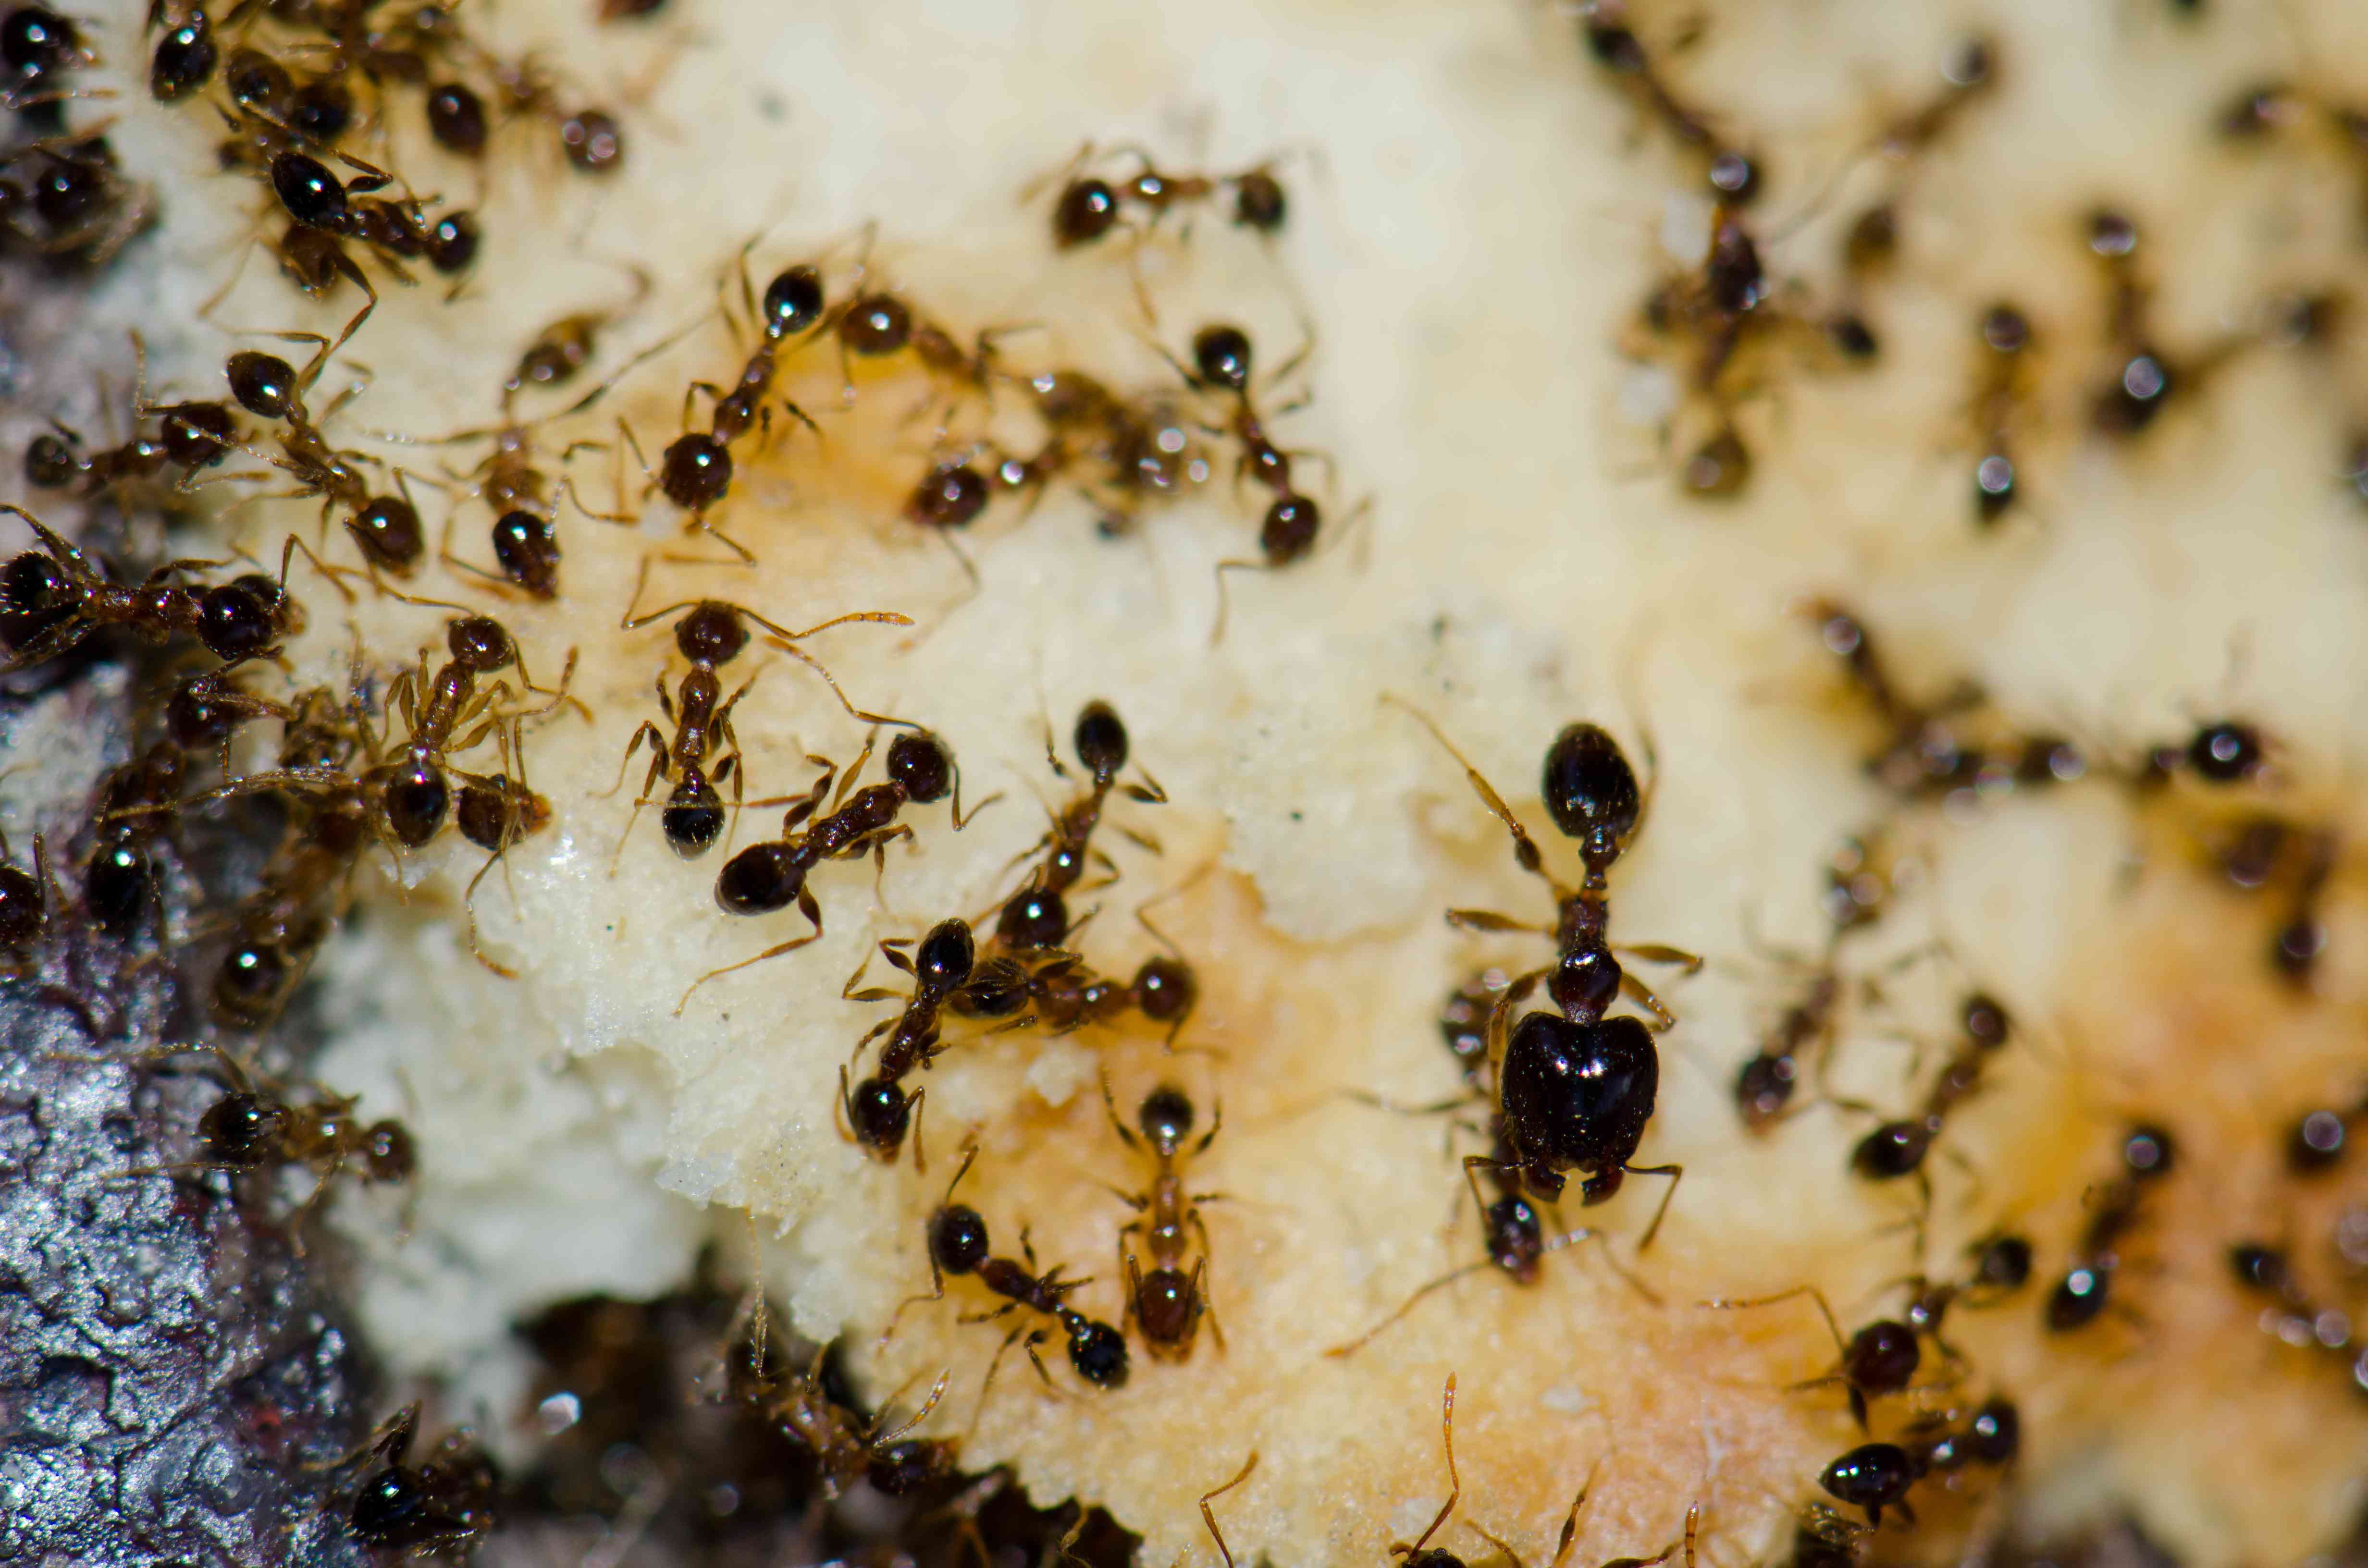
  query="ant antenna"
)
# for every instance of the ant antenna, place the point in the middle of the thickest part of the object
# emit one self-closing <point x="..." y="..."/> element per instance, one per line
<point x="1455" y="1483"/>
<point x="1207" y="1515"/>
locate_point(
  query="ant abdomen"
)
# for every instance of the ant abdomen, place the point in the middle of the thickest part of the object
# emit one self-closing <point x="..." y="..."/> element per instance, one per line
<point x="761" y="879"/>
<point x="693" y="818"/>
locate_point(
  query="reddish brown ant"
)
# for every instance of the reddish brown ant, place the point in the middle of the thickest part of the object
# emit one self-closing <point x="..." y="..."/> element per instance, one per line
<point x="2148" y="1155"/>
<point x="496" y="813"/>
<point x="192" y="435"/>
<point x="2003" y="395"/>
<point x="1733" y="174"/>
<point x="62" y="597"/>
<point x="24" y="900"/>
<point x="1036" y="918"/>
<point x="958" y="1244"/>
<point x="1899" y="1148"/>
<point x="1064" y="995"/>
<point x="710" y="634"/>
<point x="255" y="1126"/>
<point x="137" y="802"/>
<point x="1089" y="207"/>
<point x="1878" y="1359"/>
<point x="772" y="875"/>
<point x="1167" y="1304"/>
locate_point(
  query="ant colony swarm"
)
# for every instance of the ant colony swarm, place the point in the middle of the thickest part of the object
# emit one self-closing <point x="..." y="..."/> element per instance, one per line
<point x="859" y="797"/>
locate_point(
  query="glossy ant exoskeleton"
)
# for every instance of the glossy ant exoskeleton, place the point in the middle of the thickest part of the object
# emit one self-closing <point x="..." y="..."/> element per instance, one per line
<point x="1990" y="1437"/>
<point x="1576" y="1088"/>
<point x="1089" y="207"/>
<point x="710" y="634"/>
<point x="2003" y="395"/>
<point x="185" y="58"/>
<point x="66" y="196"/>
<point x="1167" y="1304"/>
<point x="878" y="1110"/>
<point x="2148" y="1155"/>
<point x="255" y="1126"/>
<point x="1874" y="1476"/>
<point x="137" y="802"/>
<point x="770" y="876"/>
<point x="695" y="469"/>
<point x="1064" y="995"/>
<point x="1733" y="174"/>
<point x="282" y="924"/>
<point x="1764" y="1084"/>
<point x="958" y="1244"/>
<point x="1897" y="1149"/>
<point x="564" y="347"/>
<point x="1878" y="1359"/>
<point x="1036" y="918"/>
<point x="387" y="528"/>
<point x="61" y="598"/>
<point x="193" y="435"/>
<point x="443" y="1502"/>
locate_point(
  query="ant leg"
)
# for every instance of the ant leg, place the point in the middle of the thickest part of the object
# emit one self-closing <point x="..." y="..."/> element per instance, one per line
<point x="1207" y="1515"/>
<point x="1641" y="995"/>
<point x="806" y="906"/>
<point x="816" y="666"/>
<point x="1341" y="1352"/>
<point x="1202" y="1295"/>
<point x="1109" y="1103"/>
<point x="921" y="1154"/>
<point x="1488" y="920"/>
<point x="1727" y="1303"/>
<point x="1455" y="1483"/>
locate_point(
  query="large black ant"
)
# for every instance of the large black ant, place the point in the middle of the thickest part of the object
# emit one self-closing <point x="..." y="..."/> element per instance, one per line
<point x="959" y="1245"/>
<point x="1577" y="1088"/>
<point x="772" y="875"/>
<point x="442" y="1502"/>
<point x="710" y="634"/>
<point x="62" y="597"/>
<point x="1167" y="1304"/>
<point x="1037" y="916"/>
<point x="2148" y="1155"/>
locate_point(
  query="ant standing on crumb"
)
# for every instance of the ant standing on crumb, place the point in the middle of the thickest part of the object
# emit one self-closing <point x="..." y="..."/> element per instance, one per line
<point x="1036" y="918"/>
<point x="1167" y="1304"/>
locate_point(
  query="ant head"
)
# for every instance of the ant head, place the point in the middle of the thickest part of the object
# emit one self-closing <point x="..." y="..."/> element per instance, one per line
<point x="793" y="303"/>
<point x="239" y="1128"/>
<point x="264" y="384"/>
<point x="529" y="553"/>
<point x="234" y="621"/>
<point x="1882" y="1357"/>
<point x="2148" y="1152"/>
<point x="1589" y="790"/>
<point x="414" y="800"/>
<point x="880" y="1113"/>
<point x="1100" y="739"/>
<point x="712" y="633"/>
<point x="1164" y="988"/>
<point x="479" y="643"/>
<point x="957" y="1239"/>
<point x="945" y="956"/>
<point x="1166" y="1118"/>
<point x="2226" y="752"/>
<point x="1221" y="356"/>
<point x="388" y="1153"/>
<point x="50" y="462"/>
<point x="1088" y="209"/>
<point x="388" y="533"/>
<point x="1986" y="1020"/>
<point x="248" y="984"/>
<point x="919" y="763"/>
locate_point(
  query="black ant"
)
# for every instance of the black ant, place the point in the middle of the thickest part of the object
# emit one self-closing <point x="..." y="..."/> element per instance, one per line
<point x="710" y="634"/>
<point x="1065" y="996"/>
<point x="1878" y="1359"/>
<point x="268" y="386"/>
<point x="1167" y="1304"/>
<point x="137" y="801"/>
<point x="959" y="1245"/>
<point x="2001" y="1266"/>
<point x="184" y="59"/>
<point x="282" y="924"/>
<point x="1764" y="1084"/>
<point x="193" y="435"/>
<point x="1036" y="918"/>
<point x="1990" y="1437"/>
<point x="1089" y="206"/>
<point x="772" y="875"/>
<point x="695" y="471"/>
<point x="67" y="195"/>
<point x="1874" y="1476"/>
<point x="1734" y="175"/>
<point x="443" y="1501"/>
<point x="64" y="598"/>
<point x="1577" y="1088"/>
<point x="2148" y="1155"/>
<point x="878" y="1110"/>
<point x="1898" y="1148"/>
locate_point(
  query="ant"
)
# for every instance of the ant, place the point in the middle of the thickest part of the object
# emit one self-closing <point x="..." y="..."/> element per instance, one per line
<point x="194" y="436"/>
<point x="23" y="899"/>
<point x="137" y="801"/>
<point x="283" y="924"/>
<point x="1764" y="1084"/>
<point x="1898" y="1148"/>
<point x="1878" y="1359"/>
<point x="184" y="59"/>
<point x="1066" y="996"/>
<point x="2001" y="1266"/>
<point x="254" y="1127"/>
<point x="1222" y="360"/>
<point x="268" y="387"/>
<point x="2266" y="1270"/>
<point x="563" y="347"/>
<point x="695" y="469"/>
<point x="2146" y="379"/>
<point x="1036" y="918"/>
<point x="2002" y="393"/>
<point x="2148" y="1155"/>
<point x="878" y="1110"/>
<point x="496" y="813"/>
<point x="1089" y="206"/>
<point x="959" y="1245"/>
<point x="2221" y="751"/>
<point x="1167" y="1304"/>
<point x="772" y="875"/>
<point x="446" y="1500"/>
<point x="1576" y="1088"/>
<point x="1992" y="1436"/>
<point x="87" y="209"/>
<point x="1733" y="174"/>
<point x="66" y="598"/>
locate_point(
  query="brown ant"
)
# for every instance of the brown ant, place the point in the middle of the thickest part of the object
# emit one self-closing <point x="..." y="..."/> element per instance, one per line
<point x="1576" y="1088"/>
<point x="2294" y="1321"/>
<point x="66" y="196"/>
<point x="1874" y="1476"/>
<point x="282" y="924"/>
<point x="1089" y="206"/>
<point x="695" y="471"/>
<point x="1899" y="1148"/>
<point x="257" y="1127"/>
<point x="184" y="59"/>
<point x="1878" y="1359"/>
<point x="2002" y="394"/>
<point x="495" y="813"/>
<point x="564" y="347"/>
<point x="2148" y="1155"/>
<point x="442" y="1502"/>
<point x="1167" y="1304"/>
<point x="1064" y="996"/>
<point x="1765" y="1083"/>
<point x="387" y="528"/>
<point x="58" y="591"/>
<point x="1036" y="918"/>
<point x="1148" y="453"/>
<point x="137" y="801"/>
<point x="878" y="1110"/>
<point x="194" y="436"/>
<point x="23" y="899"/>
<point x="1734" y="175"/>
<point x="958" y="1244"/>
<point x="710" y="634"/>
<point x="772" y="875"/>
